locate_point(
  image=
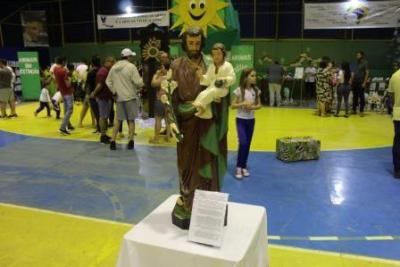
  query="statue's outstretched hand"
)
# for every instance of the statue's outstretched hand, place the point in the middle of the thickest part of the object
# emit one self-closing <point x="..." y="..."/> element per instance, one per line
<point x="175" y="131"/>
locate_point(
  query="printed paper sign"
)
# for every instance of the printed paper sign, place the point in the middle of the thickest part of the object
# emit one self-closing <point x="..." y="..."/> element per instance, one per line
<point x="208" y="217"/>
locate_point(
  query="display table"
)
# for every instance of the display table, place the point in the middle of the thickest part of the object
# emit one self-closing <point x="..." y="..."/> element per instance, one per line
<point x="155" y="241"/>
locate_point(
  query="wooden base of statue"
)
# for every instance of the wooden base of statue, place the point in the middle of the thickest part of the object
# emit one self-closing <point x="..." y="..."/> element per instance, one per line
<point x="181" y="217"/>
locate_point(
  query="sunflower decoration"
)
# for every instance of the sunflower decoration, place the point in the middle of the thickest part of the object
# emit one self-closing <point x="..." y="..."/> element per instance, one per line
<point x="152" y="49"/>
<point x="198" y="13"/>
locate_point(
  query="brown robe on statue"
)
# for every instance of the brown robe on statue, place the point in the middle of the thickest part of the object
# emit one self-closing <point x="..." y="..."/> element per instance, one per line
<point x="191" y="154"/>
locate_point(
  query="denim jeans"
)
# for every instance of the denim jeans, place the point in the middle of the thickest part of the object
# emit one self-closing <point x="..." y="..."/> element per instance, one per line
<point x="68" y="109"/>
<point x="343" y="91"/>
<point x="245" y="129"/>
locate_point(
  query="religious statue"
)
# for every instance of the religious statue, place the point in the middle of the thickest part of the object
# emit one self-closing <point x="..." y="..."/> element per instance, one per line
<point x="202" y="143"/>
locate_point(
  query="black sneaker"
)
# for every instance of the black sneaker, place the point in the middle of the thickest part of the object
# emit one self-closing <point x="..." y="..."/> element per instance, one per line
<point x="131" y="144"/>
<point x="70" y="127"/>
<point x="64" y="132"/>
<point x="13" y="115"/>
<point x="104" y="139"/>
<point x="113" y="145"/>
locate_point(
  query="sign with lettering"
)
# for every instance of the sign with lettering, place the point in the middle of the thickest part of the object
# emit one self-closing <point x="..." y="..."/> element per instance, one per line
<point x="242" y="56"/>
<point x="30" y="75"/>
<point x="208" y="217"/>
<point x="134" y="20"/>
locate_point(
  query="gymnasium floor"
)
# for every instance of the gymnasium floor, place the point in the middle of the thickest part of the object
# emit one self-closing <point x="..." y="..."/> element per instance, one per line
<point x="67" y="201"/>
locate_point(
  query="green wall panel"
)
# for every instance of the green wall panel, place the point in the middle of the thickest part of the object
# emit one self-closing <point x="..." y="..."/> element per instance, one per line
<point x="286" y="51"/>
<point x="76" y="52"/>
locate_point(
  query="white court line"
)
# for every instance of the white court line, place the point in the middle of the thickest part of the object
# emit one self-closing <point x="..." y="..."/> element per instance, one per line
<point x="323" y="238"/>
<point x="379" y="237"/>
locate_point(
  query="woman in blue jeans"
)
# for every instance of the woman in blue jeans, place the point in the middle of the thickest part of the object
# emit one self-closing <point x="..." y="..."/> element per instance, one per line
<point x="246" y="100"/>
<point x="343" y="89"/>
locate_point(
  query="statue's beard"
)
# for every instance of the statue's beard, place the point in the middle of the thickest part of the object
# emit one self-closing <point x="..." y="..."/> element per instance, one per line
<point x="194" y="54"/>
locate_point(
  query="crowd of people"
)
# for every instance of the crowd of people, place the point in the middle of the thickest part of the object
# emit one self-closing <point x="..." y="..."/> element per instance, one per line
<point x="98" y="86"/>
<point x="326" y="82"/>
<point x="340" y="78"/>
<point x="101" y="85"/>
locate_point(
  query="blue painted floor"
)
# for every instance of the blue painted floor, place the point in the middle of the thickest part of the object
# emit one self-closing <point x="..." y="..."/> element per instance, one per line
<point x="348" y="194"/>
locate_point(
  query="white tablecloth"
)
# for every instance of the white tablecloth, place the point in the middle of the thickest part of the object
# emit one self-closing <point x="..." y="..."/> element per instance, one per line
<point x="155" y="241"/>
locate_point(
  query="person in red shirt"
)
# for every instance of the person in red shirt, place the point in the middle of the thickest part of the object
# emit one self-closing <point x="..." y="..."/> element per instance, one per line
<point x="63" y="81"/>
<point x="104" y="98"/>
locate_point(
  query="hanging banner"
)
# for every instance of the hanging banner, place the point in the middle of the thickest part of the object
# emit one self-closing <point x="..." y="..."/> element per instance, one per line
<point x="34" y="26"/>
<point x="30" y="77"/>
<point x="242" y="56"/>
<point x="355" y="14"/>
<point x="153" y="40"/>
<point x="175" y="50"/>
<point x="134" y="20"/>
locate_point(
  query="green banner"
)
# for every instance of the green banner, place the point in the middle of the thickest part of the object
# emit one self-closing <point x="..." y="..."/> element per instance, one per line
<point x="175" y="50"/>
<point x="242" y="56"/>
<point x="30" y="77"/>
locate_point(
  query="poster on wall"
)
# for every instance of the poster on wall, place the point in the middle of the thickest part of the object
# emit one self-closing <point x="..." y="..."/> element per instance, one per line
<point x="34" y="26"/>
<point x="242" y="56"/>
<point x="30" y="75"/>
<point x="352" y="15"/>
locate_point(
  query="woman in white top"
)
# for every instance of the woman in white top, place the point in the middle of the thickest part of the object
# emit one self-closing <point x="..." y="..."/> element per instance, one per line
<point x="343" y="89"/>
<point x="246" y="100"/>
